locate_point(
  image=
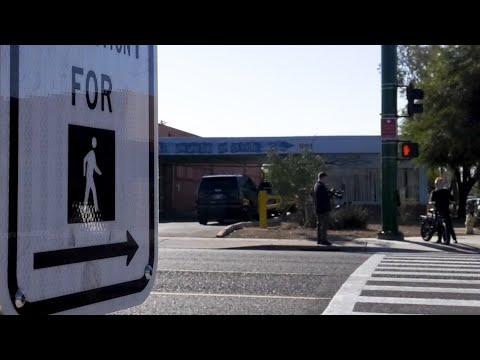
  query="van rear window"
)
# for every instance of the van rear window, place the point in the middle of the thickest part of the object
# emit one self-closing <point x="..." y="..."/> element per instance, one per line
<point x="215" y="185"/>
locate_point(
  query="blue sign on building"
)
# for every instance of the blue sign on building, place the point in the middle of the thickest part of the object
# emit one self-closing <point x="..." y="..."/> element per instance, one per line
<point x="260" y="146"/>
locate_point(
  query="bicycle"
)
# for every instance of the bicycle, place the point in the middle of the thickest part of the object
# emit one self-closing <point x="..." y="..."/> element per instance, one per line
<point x="433" y="223"/>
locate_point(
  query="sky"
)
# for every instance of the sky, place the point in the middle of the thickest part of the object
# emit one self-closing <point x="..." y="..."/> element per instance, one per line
<point x="270" y="90"/>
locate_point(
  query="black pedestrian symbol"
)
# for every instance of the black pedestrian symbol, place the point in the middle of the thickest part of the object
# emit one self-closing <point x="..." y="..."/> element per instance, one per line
<point x="91" y="174"/>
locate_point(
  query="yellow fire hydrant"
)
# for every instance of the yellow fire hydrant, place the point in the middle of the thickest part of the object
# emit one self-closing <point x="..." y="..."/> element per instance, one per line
<point x="469" y="223"/>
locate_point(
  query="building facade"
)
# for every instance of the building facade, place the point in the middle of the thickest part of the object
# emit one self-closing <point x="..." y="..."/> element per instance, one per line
<point x="353" y="164"/>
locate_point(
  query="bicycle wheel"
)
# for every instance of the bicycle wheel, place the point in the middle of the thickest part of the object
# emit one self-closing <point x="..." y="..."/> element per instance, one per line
<point x="426" y="231"/>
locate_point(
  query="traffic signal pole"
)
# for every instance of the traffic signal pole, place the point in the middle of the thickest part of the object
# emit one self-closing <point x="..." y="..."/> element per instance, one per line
<point x="389" y="145"/>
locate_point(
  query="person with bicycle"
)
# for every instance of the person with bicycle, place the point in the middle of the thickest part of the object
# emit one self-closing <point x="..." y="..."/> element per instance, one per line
<point x="322" y="200"/>
<point x="442" y="198"/>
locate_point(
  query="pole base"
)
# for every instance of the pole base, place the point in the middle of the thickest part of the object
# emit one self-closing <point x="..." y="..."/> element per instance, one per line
<point x="387" y="235"/>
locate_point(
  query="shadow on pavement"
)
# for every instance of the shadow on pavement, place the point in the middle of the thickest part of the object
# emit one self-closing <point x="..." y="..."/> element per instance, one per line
<point x="323" y="248"/>
<point x="334" y="248"/>
<point x="458" y="248"/>
<point x="429" y="246"/>
<point x="364" y="245"/>
<point x="211" y="223"/>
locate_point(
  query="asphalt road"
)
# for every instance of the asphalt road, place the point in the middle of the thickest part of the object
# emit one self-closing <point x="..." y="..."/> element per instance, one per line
<point x="246" y="282"/>
<point x="228" y="281"/>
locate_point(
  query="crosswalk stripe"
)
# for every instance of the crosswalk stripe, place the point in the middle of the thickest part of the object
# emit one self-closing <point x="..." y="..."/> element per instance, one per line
<point x="346" y="297"/>
<point x="380" y="267"/>
<point x="424" y="273"/>
<point x="375" y="313"/>
<point x="433" y="262"/>
<point x="399" y="265"/>
<point x="433" y="253"/>
<point x="421" y="289"/>
<point x="434" y="257"/>
<point x="411" y="280"/>
<point x="425" y="280"/>
<point x="418" y="301"/>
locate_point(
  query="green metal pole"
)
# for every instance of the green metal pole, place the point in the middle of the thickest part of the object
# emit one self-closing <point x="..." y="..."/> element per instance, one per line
<point x="389" y="144"/>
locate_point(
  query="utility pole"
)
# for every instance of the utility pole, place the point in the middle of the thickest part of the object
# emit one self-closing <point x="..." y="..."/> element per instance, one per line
<point x="389" y="144"/>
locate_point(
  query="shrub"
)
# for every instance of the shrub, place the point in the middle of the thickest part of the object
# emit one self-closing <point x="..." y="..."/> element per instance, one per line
<point x="409" y="212"/>
<point x="349" y="217"/>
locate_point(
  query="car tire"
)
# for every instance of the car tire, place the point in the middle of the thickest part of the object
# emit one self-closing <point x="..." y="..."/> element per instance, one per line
<point x="202" y="220"/>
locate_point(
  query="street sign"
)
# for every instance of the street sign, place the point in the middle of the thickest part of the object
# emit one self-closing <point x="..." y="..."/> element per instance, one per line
<point x="389" y="129"/>
<point x="78" y="178"/>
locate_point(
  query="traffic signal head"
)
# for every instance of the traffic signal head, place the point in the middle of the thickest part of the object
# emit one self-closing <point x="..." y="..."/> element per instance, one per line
<point x="409" y="150"/>
<point x="412" y="95"/>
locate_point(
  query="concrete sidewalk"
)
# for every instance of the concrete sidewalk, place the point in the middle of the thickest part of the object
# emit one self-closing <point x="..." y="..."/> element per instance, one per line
<point x="466" y="244"/>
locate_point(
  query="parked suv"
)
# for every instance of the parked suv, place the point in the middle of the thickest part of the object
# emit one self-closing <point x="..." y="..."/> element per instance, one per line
<point x="221" y="197"/>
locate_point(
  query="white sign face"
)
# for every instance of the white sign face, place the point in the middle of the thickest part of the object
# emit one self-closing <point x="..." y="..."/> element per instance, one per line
<point x="78" y="178"/>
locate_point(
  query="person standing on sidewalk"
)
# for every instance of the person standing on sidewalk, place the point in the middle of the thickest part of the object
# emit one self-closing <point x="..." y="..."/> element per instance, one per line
<point x="322" y="208"/>
<point x="442" y="197"/>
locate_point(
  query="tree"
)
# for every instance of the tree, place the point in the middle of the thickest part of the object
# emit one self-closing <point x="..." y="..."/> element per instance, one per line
<point x="293" y="177"/>
<point x="449" y="129"/>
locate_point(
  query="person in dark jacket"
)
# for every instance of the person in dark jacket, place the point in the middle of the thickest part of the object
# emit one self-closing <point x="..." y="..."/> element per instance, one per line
<point x="442" y="197"/>
<point x="322" y="208"/>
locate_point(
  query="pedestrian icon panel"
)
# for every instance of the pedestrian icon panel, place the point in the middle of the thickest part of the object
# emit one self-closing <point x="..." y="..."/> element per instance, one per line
<point x="91" y="174"/>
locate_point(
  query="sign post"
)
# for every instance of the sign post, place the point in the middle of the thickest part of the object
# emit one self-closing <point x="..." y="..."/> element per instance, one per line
<point x="389" y="144"/>
<point x="79" y="214"/>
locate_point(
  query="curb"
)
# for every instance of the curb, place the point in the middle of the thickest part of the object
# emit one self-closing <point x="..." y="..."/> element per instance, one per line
<point x="231" y="228"/>
<point x="361" y="245"/>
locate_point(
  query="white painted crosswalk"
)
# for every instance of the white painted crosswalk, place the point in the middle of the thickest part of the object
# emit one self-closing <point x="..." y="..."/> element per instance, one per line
<point x="429" y="284"/>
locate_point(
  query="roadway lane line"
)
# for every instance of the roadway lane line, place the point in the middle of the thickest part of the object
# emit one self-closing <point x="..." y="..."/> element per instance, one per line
<point x="345" y="299"/>
<point x="239" y="295"/>
<point x="237" y="272"/>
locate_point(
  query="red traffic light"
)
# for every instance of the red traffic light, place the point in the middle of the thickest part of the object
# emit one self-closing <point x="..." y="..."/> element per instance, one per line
<point x="409" y="150"/>
<point x="406" y="150"/>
